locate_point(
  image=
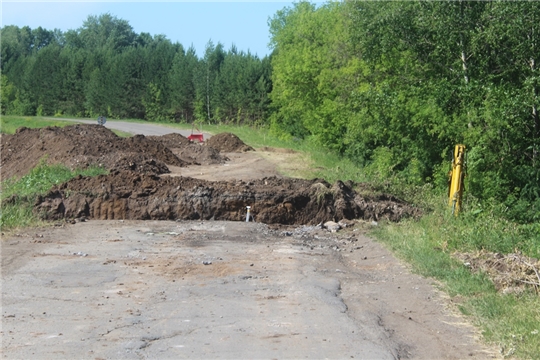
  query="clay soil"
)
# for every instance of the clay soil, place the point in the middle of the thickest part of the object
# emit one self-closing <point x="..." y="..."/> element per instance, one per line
<point x="136" y="188"/>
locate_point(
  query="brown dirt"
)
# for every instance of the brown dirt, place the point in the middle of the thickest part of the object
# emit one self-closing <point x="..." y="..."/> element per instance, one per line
<point x="192" y="153"/>
<point x="80" y="146"/>
<point x="133" y="189"/>
<point x="172" y="140"/>
<point x="131" y="195"/>
<point x="227" y="142"/>
<point x="200" y="155"/>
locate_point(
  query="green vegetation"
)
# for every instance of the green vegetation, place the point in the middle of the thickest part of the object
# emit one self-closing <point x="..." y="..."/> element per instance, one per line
<point x="508" y="320"/>
<point x="395" y="85"/>
<point x="105" y="68"/>
<point x="18" y="197"/>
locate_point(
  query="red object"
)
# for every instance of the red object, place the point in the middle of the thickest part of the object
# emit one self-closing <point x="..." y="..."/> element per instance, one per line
<point x="196" y="137"/>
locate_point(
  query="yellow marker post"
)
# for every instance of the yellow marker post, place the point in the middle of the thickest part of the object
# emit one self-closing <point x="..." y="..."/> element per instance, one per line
<point x="458" y="175"/>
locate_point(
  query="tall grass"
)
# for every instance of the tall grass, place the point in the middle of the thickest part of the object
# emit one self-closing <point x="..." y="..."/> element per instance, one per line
<point x="18" y="196"/>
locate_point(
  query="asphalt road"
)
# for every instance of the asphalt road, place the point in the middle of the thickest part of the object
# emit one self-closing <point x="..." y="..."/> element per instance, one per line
<point x="209" y="290"/>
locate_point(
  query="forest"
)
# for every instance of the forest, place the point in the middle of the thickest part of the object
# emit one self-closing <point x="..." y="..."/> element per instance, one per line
<point x="391" y="85"/>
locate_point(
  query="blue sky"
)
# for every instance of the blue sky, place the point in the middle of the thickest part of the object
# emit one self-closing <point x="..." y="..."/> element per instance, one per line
<point x="243" y="23"/>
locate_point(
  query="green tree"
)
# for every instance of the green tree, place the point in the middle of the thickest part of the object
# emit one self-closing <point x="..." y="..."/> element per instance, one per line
<point x="181" y="85"/>
<point x="105" y="32"/>
<point x="205" y="79"/>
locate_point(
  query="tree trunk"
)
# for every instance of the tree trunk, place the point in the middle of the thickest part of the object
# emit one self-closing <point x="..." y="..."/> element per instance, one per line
<point x="462" y="47"/>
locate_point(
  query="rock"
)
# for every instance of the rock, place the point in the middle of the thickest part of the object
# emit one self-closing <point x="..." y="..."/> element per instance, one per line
<point x="332" y="226"/>
<point x="344" y="223"/>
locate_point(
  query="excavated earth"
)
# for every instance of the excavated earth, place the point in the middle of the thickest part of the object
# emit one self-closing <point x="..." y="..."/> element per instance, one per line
<point x="131" y="195"/>
<point x="227" y="142"/>
<point x="81" y="146"/>
<point x="135" y="190"/>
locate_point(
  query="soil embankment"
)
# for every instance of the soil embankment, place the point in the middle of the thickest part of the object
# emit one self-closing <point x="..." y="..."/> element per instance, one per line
<point x="131" y="195"/>
<point x="135" y="190"/>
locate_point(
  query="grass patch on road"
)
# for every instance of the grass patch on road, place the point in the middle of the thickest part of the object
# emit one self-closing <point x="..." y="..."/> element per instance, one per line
<point x="18" y="196"/>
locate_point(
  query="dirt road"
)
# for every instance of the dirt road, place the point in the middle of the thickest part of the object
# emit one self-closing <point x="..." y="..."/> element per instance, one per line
<point x="219" y="289"/>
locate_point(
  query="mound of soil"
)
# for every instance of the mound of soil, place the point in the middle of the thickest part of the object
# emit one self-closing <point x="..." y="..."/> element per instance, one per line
<point x="202" y="155"/>
<point x="141" y="163"/>
<point x="132" y="195"/>
<point x="80" y="146"/>
<point x="172" y="140"/>
<point x="191" y="153"/>
<point x="227" y="142"/>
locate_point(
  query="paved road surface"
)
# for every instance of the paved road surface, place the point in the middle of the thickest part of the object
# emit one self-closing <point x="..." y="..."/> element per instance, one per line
<point x="209" y="290"/>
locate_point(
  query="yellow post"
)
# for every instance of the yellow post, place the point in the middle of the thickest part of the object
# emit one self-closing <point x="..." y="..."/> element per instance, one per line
<point x="456" y="183"/>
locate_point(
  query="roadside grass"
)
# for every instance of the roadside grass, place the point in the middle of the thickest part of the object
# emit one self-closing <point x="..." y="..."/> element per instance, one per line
<point x="18" y="196"/>
<point x="510" y="321"/>
<point x="9" y="124"/>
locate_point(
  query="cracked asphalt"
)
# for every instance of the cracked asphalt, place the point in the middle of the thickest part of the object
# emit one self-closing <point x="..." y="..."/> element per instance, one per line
<point x="170" y="290"/>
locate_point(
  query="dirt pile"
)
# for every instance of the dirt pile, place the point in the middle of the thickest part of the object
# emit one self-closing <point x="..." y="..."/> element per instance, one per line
<point x="80" y="146"/>
<point x="227" y="142"/>
<point x="131" y="195"/>
<point x="189" y="152"/>
<point x="172" y="140"/>
<point x="201" y="155"/>
<point x="133" y="189"/>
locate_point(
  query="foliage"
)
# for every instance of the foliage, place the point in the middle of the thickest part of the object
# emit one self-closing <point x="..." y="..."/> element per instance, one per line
<point x="395" y="85"/>
<point x="105" y="68"/>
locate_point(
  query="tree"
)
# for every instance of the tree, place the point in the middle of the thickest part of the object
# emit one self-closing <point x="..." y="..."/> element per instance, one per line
<point x="106" y="31"/>
<point x="182" y="88"/>
<point x="206" y="76"/>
